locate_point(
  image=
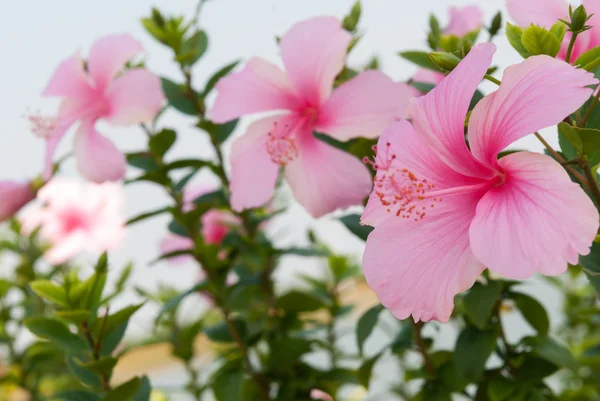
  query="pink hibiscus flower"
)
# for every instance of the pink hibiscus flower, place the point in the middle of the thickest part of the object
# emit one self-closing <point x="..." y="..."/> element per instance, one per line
<point x="322" y="177"/>
<point x="74" y="216"/>
<point x="101" y="89"/>
<point x="546" y="13"/>
<point x="442" y="213"/>
<point x="216" y="224"/>
<point x="316" y="394"/>
<point x="14" y="196"/>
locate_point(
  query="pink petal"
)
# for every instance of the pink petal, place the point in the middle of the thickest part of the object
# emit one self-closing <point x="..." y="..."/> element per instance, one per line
<point x="193" y="192"/>
<point x="109" y="55"/>
<point x="70" y="80"/>
<point x="536" y="222"/>
<point x="314" y="53"/>
<point x="135" y="97"/>
<point x="253" y="173"/>
<point x="535" y="94"/>
<point x="98" y="159"/>
<point x="417" y="267"/>
<point x="13" y="196"/>
<point x="428" y="76"/>
<point x="592" y="7"/>
<point x="364" y="106"/>
<point x="324" y="178"/>
<point x="464" y="20"/>
<point x="544" y="13"/>
<point x="260" y="86"/>
<point x="216" y="224"/>
<point x="439" y="116"/>
<point x="172" y="243"/>
<point x="400" y="151"/>
<point x="316" y="394"/>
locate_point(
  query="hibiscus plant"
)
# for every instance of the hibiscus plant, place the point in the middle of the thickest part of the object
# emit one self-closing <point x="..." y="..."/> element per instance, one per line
<point x="453" y="217"/>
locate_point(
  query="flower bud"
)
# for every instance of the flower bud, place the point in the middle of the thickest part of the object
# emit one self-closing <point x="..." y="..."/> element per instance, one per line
<point x="13" y="196"/>
<point x="579" y="18"/>
<point x="445" y="61"/>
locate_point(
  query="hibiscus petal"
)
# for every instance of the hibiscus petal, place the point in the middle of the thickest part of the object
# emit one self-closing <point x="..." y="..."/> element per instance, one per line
<point x="172" y="243"/>
<point x="540" y="12"/>
<point x="260" y="86"/>
<point x="537" y="93"/>
<point x="536" y="222"/>
<point x="364" y="106"/>
<point x="109" y="55"/>
<point x="69" y="80"/>
<point x="135" y="97"/>
<point x="253" y="173"/>
<point x="400" y="148"/>
<point x="464" y="20"/>
<point x="98" y="159"/>
<point x="417" y="267"/>
<point x="13" y="196"/>
<point x="439" y="116"/>
<point x="314" y="53"/>
<point x="324" y="178"/>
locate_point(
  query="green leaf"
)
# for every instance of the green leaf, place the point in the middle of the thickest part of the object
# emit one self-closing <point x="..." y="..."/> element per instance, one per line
<point x="50" y="292"/>
<point x="125" y="391"/>
<point x="366" y="324"/>
<point x="193" y="48"/>
<point x="514" y="35"/>
<point x="534" y="368"/>
<point x="352" y="223"/>
<point x="592" y="352"/>
<point x="103" y="326"/>
<point x="533" y="312"/>
<point x="538" y="41"/>
<point x="143" y="394"/>
<point x="589" y="60"/>
<point x="179" y="97"/>
<point x="296" y="301"/>
<point x="366" y="369"/>
<point x="559" y="30"/>
<point x="501" y="388"/>
<point x="228" y="386"/>
<point x="301" y="251"/>
<point x="420" y="58"/>
<point x="552" y="351"/>
<point x="55" y="331"/>
<point x="585" y="140"/>
<point x="567" y="132"/>
<point x="147" y="215"/>
<point x="219" y="131"/>
<point x="479" y="302"/>
<point x="77" y="316"/>
<point x="286" y="352"/>
<point x="404" y="339"/>
<point x="591" y="261"/>
<point x="142" y="160"/>
<point x="85" y="376"/>
<point x="102" y="366"/>
<point x="75" y="395"/>
<point x="422" y="87"/>
<point x="212" y="81"/>
<point x="473" y="348"/>
<point x="219" y="333"/>
<point x="161" y="142"/>
<point x="172" y="304"/>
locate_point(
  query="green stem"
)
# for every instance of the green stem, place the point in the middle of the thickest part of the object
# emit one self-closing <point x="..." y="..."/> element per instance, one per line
<point x="422" y="348"/>
<point x="589" y="111"/>
<point x="585" y="166"/>
<point x="570" y="48"/>
<point x="492" y="79"/>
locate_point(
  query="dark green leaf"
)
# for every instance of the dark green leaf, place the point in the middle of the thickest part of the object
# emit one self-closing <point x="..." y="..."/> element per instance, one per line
<point x="404" y="340"/>
<point x="286" y="352"/>
<point x="296" y="301"/>
<point x="147" y="215"/>
<point x="420" y="58"/>
<point x="212" y="81"/>
<point x="350" y="22"/>
<point x="55" y="331"/>
<point x="366" y="369"/>
<point x="591" y="261"/>
<point x="50" y="292"/>
<point x="501" y="388"/>
<point x="142" y="160"/>
<point x="473" y="348"/>
<point x="172" y="304"/>
<point x="161" y="142"/>
<point x="180" y="98"/>
<point x="538" y="41"/>
<point x="143" y="394"/>
<point x="228" y="386"/>
<point x="535" y="369"/>
<point x="533" y="312"/>
<point x="193" y="48"/>
<point x="220" y="333"/>
<point x="366" y="324"/>
<point x="552" y="351"/>
<point x="422" y="87"/>
<point x="352" y="222"/>
<point x="125" y="391"/>
<point x="592" y="352"/>
<point x="301" y="252"/>
<point x="219" y="131"/>
<point x="480" y="301"/>
<point x="514" y="35"/>
<point x="102" y="366"/>
<point x="84" y="375"/>
<point x="75" y="395"/>
<point x="106" y="325"/>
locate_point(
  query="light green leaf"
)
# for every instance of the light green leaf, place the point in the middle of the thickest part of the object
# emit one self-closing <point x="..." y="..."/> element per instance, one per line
<point x="50" y="292"/>
<point x="538" y="41"/>
<point x="514" y="35"/>
<point x="589" y="60"/>
<point x="420" y="58"/>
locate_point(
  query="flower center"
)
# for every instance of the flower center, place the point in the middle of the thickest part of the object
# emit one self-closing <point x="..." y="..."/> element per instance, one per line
<point x="73" y="220"/>
<point x="399" y="190"/>
<point x="281" y="144"/>
<point x="41" y="126"/>
<point x="311" y="113"/>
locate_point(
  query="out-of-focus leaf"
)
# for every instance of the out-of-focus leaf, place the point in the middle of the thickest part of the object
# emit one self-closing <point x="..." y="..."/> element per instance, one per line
<point x="366" y="324"/>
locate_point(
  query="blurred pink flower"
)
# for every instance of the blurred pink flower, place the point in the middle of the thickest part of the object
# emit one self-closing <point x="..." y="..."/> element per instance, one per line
<point x="322" y="177"/>
<point x="546" y="13"/>
<point x="464" y="20"/>
<point x="13" y="196"/>
<point x="74" y="216"/>
<point x="97" y="90"/>
<point x="429" y="76"/>
<point x="442" y="212"/>
<point x="316" y="394"/>
<point x="216" y="224"/>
